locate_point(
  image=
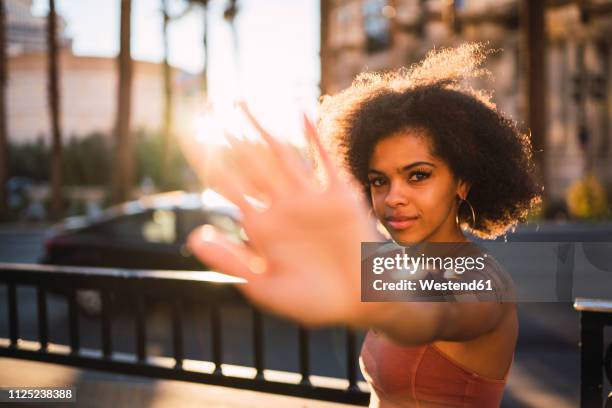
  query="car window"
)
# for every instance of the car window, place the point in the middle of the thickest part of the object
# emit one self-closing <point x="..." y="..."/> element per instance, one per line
<point x="188" y="220"/>
<point x="155" y="226"/>
<point x="191" y="219"/>
<point x="161" y="228"/>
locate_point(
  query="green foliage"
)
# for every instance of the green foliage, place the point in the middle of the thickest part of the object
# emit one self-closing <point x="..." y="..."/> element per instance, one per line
<point x="30" y="160"/>
<point x="149" y="159"/>
<point x="88" y="161"/>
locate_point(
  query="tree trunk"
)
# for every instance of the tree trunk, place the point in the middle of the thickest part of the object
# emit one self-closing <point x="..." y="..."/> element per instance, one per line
<point x="205" y="45"/>
<point x="534" y="62"/>
<point x="54" y="107"/>
<point x="3" y="119"/>
<point x="167" y="118"/>
<point x="123" y="178"/>
<point x="324" y="7"/>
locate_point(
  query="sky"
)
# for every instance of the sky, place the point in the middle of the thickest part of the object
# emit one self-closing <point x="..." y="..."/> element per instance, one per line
<point x="276" y="68"/>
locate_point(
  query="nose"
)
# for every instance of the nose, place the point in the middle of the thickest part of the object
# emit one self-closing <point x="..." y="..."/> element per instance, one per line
<point x="396" y="196"/>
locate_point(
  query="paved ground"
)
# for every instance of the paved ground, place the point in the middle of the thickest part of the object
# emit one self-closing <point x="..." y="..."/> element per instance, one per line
<point x="103" y="390"/>
<point x="545" y="371"/>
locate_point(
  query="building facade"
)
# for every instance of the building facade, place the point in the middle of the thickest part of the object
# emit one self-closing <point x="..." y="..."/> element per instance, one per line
<point x="88" y="86"/>
<point x="27" y="33"/>
<point x="370" y="35"/>
<point x="88" y="93"/>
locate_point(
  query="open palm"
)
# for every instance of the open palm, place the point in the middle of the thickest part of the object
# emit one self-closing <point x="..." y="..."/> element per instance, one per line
<point x="303" y="258"/>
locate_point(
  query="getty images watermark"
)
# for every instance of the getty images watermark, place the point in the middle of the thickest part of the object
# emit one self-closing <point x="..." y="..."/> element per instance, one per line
<point x="486" y="271"/>
<point x="429" y="272"/>
<point x="402" y="264"/>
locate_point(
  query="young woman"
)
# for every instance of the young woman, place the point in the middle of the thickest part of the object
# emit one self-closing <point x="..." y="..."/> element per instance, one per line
<point x="431" y="156"/>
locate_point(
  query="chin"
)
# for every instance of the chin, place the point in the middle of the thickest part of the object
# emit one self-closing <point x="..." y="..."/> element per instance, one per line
<point x="407" y="237"/>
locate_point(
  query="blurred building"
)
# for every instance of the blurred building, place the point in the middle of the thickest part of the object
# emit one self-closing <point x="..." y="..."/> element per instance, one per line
<point x="88" y="89"/>
<point x="358" y="35"/>
<point x="88" y="86"/>
<point x="28" y="33"/>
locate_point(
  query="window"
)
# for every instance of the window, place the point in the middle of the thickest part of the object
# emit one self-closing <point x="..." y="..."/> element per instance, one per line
<point x="154" y="226"/>
<point x="161" y="228"/>
<point x="377" y="25"/>
<point x="188" y="220"/>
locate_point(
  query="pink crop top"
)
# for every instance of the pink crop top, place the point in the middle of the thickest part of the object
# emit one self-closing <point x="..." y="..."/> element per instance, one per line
<point x="422" y="376"/>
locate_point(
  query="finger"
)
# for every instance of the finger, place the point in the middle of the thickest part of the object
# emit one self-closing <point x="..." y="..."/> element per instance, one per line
<point x="214" y="249"/>
<point x="330" y="170"/>
<point x="286" y="157"/>
<point x="209" y="166"/>
<point x="231" y="186"/>
<point x="211" y="247"/>
<point x="274" y="144"/>
<point x="256" y="166"/>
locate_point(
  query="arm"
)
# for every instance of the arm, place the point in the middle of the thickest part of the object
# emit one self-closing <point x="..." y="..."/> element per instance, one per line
<point x="424" y="322"/>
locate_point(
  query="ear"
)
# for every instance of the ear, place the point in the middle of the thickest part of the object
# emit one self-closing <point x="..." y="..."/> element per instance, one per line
<point x="463" y="188"/>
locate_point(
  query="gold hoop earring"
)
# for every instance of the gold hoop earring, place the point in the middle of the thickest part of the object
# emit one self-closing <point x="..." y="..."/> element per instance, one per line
<point x="471" y="209"/>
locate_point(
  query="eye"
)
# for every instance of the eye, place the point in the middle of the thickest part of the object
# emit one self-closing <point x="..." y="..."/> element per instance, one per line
<point x="376" y="181"/>
<point x="419" y="175"/>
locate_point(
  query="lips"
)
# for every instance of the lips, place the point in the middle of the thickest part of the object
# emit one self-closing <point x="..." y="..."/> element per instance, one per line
<point x="401" y="222"/>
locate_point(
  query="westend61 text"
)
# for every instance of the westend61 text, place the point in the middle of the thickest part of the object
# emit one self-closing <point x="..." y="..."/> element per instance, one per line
<point x="429" y="284"/>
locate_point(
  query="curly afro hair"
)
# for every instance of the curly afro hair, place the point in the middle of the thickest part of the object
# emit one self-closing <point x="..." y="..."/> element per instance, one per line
<point x="480" y="145"/>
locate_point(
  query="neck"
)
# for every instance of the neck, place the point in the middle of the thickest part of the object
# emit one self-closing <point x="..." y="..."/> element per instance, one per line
<point x="449" y="231"/>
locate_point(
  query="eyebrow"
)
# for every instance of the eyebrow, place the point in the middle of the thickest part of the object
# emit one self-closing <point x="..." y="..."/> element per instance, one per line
<point x="405" y="168"/>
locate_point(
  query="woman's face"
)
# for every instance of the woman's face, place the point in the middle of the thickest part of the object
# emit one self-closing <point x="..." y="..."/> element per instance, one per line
<point x="414" y="194"/>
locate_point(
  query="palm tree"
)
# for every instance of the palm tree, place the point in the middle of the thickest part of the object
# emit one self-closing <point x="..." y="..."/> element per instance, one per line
<point x="3" y="125"/>
<point x="54" y="107"/>
<point x="204" y="4"/>
<point x="532" y="14"/>
<point x="123" y="178"/>
<point x="229" y="15"/>
<point x="168" y="106"/>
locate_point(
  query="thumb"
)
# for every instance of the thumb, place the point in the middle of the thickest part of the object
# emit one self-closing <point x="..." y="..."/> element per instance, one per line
<point x="213" y="248"/>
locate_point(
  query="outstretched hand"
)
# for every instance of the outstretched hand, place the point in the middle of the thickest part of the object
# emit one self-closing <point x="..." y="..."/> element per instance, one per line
<point x="303" y="257"/>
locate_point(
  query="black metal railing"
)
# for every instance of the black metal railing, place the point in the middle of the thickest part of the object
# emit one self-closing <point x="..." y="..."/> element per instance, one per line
<point x="177" y="288"/>
<point x="595" y="314"/>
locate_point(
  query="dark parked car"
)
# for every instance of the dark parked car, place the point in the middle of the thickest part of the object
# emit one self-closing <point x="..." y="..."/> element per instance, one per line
<point x="149" y="233"/>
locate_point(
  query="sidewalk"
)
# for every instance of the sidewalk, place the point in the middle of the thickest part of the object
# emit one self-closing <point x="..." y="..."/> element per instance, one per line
<point x="101" y="390"/>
